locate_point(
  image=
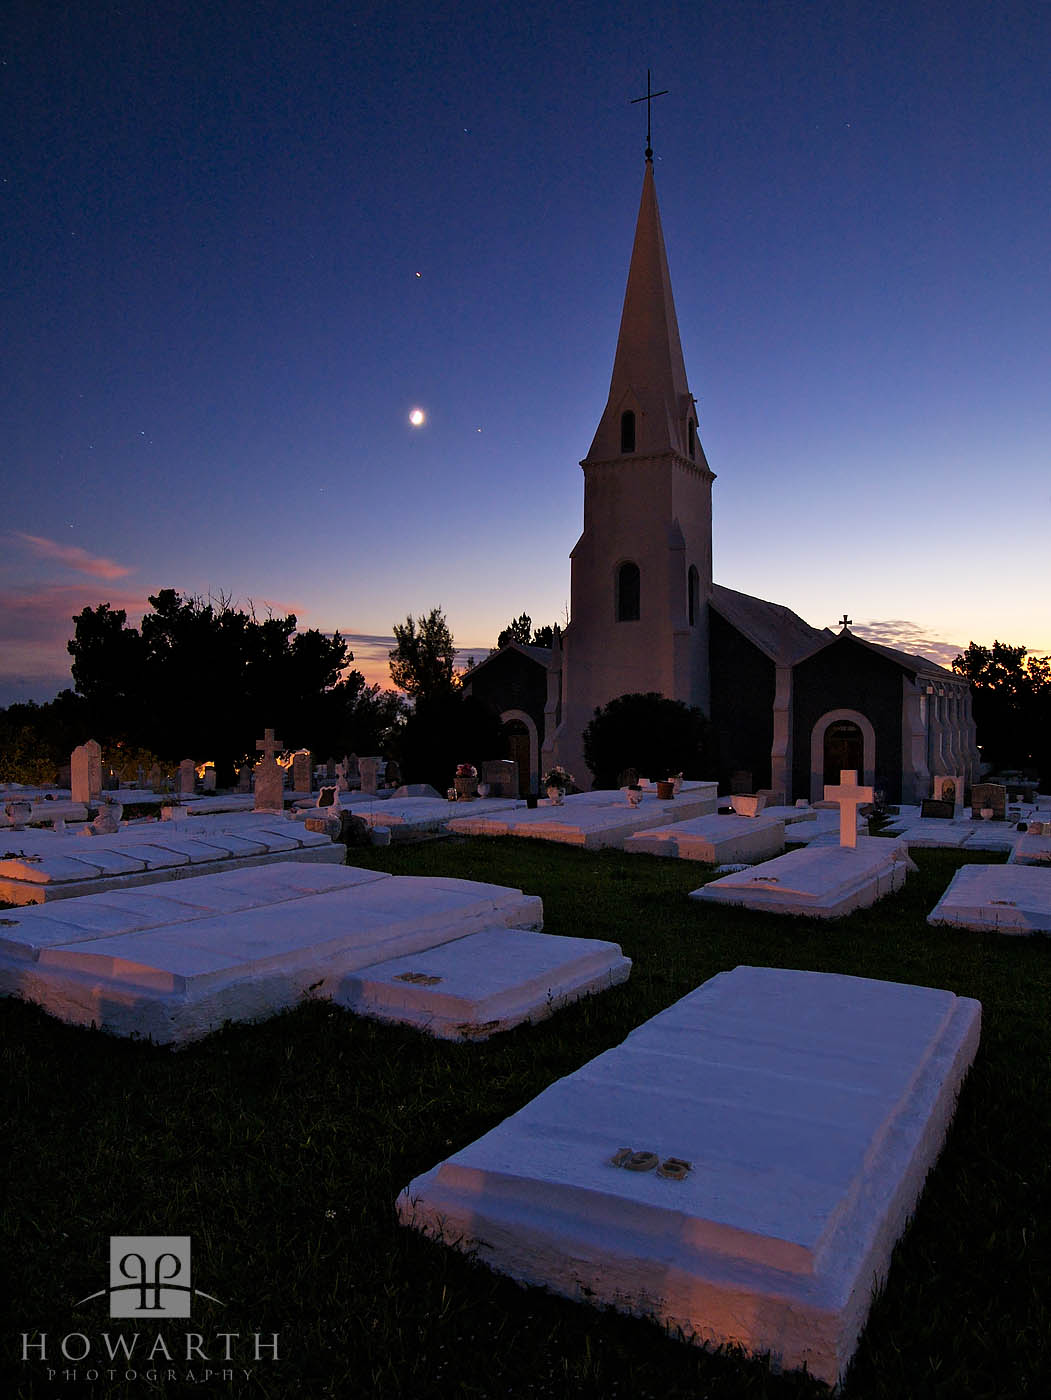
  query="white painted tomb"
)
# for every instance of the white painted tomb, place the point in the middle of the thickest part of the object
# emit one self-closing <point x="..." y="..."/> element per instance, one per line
<point x="487" y="982"/>
<point x="822" y="882"/>
<point x="997" y="898"/>
<point x="410" y="816"/>
<point x="777" y="1128"/>
<point x="39" y="866"/>
<point x="717" y="840"/>
<point x="594" y="820"/>
<point x="174" y="962"/>
<point x="1031" y="848"/>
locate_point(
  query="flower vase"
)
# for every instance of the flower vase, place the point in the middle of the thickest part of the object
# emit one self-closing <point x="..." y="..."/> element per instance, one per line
<point x="557" y="795"/>
<point x="465" y="788"/>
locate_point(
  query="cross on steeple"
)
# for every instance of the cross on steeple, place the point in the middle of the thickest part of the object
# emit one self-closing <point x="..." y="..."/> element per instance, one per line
<point x="845" y="621"/>
<point x="268" y="745"/>
<point x="648" y="99"/>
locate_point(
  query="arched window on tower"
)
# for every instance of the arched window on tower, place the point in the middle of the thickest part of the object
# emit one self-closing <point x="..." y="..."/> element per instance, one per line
<point x="628" y="593"/>
<point x="693" y="585"/>
<point x="691" y="438"/>
<point x="627" y="430"/>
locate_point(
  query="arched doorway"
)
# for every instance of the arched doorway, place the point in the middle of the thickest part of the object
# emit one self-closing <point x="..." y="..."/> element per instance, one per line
<point x="521" y="742"/>
<point x="841" y="739"/>
<point x="844" y="748"/>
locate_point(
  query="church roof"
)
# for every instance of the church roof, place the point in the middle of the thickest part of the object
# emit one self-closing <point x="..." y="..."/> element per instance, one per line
<point x="541" y="655"/>
<point x="777" y="631"/>
<point x="649" y="375"/>
<point x="782" y="635"/>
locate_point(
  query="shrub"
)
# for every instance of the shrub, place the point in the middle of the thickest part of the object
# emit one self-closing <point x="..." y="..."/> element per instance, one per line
<point x="657" y="736"/>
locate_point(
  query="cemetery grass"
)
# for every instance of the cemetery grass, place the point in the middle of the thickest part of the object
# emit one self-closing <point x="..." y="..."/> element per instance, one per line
<point x="280" y="1148"/>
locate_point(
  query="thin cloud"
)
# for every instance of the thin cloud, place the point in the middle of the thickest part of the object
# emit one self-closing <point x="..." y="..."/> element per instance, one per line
<point x="911" y="637"/>
<point x="73" y="557"/>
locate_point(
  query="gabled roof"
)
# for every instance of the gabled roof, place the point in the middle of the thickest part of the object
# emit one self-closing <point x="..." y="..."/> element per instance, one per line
<point x="540" y="655"/>
<point x="786" y="639"/>
<point x="777" y="631"/>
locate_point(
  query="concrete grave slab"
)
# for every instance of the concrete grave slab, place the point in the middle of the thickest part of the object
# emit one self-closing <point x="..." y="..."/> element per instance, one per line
<point x="818" y="881"/>
<point x="594" y="820"/>
<point x="487" y="982"/>
<point x="409" y="816"/>
<point x="38" y="866"/>
<point x="1002" y="898"/>
<point x="716" y="840"/>
<point x="136" y="964"/>
<point x="1031" y="849"/>
<point x="776" y="1127"/>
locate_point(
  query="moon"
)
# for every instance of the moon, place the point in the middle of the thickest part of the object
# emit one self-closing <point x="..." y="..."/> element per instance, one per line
<point x="417" y="417"/>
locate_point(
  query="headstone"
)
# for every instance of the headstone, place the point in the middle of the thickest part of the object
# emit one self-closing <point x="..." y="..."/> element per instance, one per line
<point x="269" y="786"/>
<point x="328" y="798"/>
<point x="301" y="771"/>
<point x="107" y="823"/>
<point x="392" y="776"/>
<point x="502" y="776"/>
<point x="991" y="795"/>
<point x="741" y="781"/>
<point x="244" y="778"/>
<point x="156" y="779"/>
<point x="186" y="778"/>
<point x="341" y="775"/>
<point x="936" y="807"/>
<point x="370" y="769"/>
<point x="209" y="777"/>
<point x="86" y="772"/>
<point x="949" y="788"/>
<point x="353" y="771"/>
<point x="268" y="746"/>
<point x="850" y="795"/>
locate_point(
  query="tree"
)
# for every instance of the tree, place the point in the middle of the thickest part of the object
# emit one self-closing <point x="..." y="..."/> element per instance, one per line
<point x="520" y="630"/>
<point x="443" y="731"/>
<point x="1011" y="701"/>
<point x="648" y="732"/>
<point x="422" y="662"/>
<point x="201" y="679"/>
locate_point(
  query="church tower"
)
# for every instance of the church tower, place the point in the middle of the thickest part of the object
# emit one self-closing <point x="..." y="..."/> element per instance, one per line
<point x="642" y="569"/>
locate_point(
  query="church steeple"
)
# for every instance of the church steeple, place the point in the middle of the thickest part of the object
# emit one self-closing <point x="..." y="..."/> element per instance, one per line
<point x="650" y="410"/>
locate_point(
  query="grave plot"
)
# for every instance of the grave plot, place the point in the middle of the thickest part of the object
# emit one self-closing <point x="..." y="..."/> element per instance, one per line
<point x="823" y="882"/>
<point x="1032" y="848"/>
<point x="1002" y="898"/>
<point x="410" y="816"/>
<point x="739" y="1168"/>
<point x="39" y="866"/>
<point x="590" y="819"/>
<point x="717" y="840"/>
<point x="486" y="982"/>
<point x="173" y="963"/>
<point x="823" y="824"/>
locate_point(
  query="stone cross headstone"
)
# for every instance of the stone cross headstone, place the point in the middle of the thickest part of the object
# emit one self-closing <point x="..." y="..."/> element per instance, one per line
<point x="186" y="777"/>
<point x="991" y="795"/>
<point x="850" y="795"/>
<point x="301" y="771"/>
<point x="369" y="768"/>
<point x="86" y="772"/>
<point x="268" y="746"/>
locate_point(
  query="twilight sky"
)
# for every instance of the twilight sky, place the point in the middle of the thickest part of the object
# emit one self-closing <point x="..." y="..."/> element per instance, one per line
<point x="241" y="242"/>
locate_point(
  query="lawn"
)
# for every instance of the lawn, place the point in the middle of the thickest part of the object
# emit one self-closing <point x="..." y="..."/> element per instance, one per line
<point x="280" y="1148"/>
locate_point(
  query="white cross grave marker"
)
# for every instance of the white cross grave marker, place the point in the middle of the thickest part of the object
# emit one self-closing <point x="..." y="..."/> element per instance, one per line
<point x="850" y="797"/>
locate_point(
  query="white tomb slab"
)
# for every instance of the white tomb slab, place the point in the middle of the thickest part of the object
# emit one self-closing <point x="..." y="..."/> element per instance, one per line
<point x="590" y="819"/>
<point x="408" y="816"/>
<point x="716" y="840"/>
<point x="144" y="963"/>
<point x="818" y="881"/>
<point x="804" y="1110"/>
<point x="825" y="823"/>
<point x="992" y="836"/>
<point x="487" y="982"/>
<point x="1031" y="849"/>
<point x="1002" y="898"/>
<point x="38" y="866"/>
<point x="935" y="832"/>
<point x="790" y="815"/>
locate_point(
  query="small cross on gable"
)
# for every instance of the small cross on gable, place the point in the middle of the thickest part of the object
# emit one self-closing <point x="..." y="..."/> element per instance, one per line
<point x="845" y="621"/>
<point x="268" y="745"/>
<point x="850" y="796"/>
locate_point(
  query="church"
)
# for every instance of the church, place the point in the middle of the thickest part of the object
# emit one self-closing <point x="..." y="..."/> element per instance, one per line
<point x="790" y="704"/>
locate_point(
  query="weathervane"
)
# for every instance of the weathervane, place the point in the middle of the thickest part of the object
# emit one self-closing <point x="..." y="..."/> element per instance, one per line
<point x="648" y="99"/>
